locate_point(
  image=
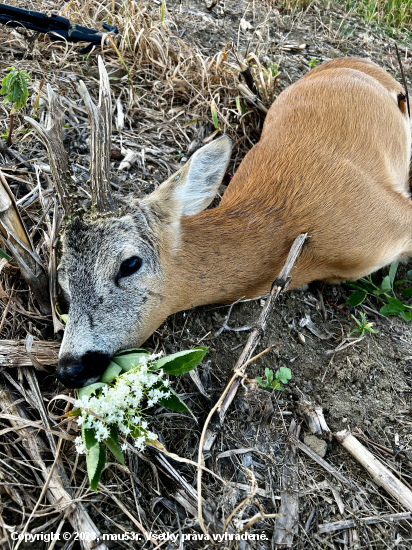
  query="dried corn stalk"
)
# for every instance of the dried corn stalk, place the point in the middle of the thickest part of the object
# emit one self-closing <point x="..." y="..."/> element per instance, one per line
<point x="16" y="239"/>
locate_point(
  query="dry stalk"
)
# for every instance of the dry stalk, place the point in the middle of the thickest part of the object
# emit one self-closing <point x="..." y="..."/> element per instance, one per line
<point x="200" y="463"/>
<point x="43" y="491"/>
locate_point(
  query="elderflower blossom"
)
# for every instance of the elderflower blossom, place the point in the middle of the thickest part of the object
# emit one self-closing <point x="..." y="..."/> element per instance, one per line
<point x="121" y="405"/>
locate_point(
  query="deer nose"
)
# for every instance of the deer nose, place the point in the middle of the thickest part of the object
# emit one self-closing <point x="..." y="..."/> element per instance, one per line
<point x="76" y="372"/>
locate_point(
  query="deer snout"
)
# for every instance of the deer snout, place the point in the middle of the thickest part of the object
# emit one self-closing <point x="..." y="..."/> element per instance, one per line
<point x="76" y="372"/>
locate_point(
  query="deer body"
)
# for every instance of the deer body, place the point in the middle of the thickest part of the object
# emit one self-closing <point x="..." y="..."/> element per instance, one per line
<point x="332" y="161"/>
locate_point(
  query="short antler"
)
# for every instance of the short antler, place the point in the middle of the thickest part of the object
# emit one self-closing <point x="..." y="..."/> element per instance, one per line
<point x="101" y="130"/>
<point x="52" y="137"/>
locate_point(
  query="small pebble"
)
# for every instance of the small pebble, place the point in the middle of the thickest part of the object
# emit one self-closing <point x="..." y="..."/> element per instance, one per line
<point x="301" y="338"/>
<point x="319" y="446"/>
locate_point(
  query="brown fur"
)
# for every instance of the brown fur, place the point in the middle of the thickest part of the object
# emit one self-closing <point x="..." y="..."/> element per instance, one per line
<point x="333" y="147"/>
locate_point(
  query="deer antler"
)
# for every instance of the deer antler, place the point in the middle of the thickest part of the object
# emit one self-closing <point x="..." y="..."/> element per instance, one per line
<point x="101" y="130"/>
<point x="52" y="137"/>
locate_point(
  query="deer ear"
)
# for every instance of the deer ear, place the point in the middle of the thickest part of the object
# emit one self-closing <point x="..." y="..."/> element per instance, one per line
<point x="193" y="187"/>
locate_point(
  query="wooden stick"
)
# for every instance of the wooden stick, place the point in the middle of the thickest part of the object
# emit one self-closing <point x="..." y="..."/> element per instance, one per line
<point x="349" y="523"/>
<point x="13" y="353"/>
<point x="380" y="474"/>
<point x="286" y="524"/>
<point x="254" y="339"/>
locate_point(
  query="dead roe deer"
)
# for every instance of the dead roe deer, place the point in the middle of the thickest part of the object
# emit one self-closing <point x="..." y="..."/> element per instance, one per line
<point x="333" y="161"/>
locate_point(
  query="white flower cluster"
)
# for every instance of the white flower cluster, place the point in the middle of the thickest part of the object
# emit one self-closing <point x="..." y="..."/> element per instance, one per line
<point x="121" y="405"/>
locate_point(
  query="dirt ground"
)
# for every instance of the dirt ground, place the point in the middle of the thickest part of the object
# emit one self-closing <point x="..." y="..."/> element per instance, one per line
<point x="366" y="386"/>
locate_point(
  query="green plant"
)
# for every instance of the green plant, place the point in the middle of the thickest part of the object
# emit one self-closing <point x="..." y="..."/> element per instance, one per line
<point x="273" y="68"/>
<point x="385" y="293"/>
<point x="132" y="383"/>
<point x="282" y="376"/>
<point x="14" y="87"/>
<point x="313" y="62"/>
<point x="4" y="255"/>
<point x="362" y="326"/>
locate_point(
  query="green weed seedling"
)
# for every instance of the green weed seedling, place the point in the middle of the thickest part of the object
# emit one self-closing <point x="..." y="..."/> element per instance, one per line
<point x="282" y="376"/>
<point x="14" y="87"/>
<point x="385" y="293"/>
<point x="273" y="68"/>
<point x="313" y="62"/>
<point x="362" y="326"/>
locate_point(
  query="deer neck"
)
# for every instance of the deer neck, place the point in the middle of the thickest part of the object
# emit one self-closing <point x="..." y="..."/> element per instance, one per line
<point x="222" y="256"/>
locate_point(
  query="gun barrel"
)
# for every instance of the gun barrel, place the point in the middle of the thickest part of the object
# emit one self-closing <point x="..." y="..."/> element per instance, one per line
<point x="55" y="26"/>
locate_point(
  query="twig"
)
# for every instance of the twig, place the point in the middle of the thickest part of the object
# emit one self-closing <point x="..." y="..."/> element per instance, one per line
<point x="286" y="525"/>
<point x="3" y="319"/>
<point x="231" y="388"/>
<point x="344" y="345"/>
<point x="200" y="460"/>
<point x="349" y="523"/>
<point x="380" y="474"/>
<point x="43" y="491"/>
<point x="244" y="502"/>
<point x="128" y="514"/>
<point x="13" y="353"/>
<point x="255" y="336"/>
<point x="314" y="456"/>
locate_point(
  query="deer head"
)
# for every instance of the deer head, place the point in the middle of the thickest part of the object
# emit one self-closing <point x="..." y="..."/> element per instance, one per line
<point x="115" y="263"/>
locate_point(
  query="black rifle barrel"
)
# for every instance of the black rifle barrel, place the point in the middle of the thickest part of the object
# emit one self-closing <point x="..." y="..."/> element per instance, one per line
<point x="55" y="26"/>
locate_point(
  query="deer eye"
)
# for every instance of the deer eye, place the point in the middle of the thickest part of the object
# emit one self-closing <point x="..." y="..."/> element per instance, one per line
<point x="130" y="266"/>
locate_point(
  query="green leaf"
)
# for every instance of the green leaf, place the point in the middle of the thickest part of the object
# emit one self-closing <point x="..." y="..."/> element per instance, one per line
<point x="359" y="324"/>
<point x="392" y="272"/>
<point x="214" y="114"/>
<point x="4" y="255"/>
<point x="284" y="375"/>
<point x="410" y="274"/>
<point x="407" y="293"/>
<point x="174" y="403"/>
<point x="89" y="390"/>
<point x="356" y="298"/>
<point x="76" y="412"/>
<point x="181" y="362"/>
<point x="386" y="283"/>
<point x="260" y="382"/>
<point x="95" y="461"/>
<point x="130" y="350"/>
<point x="269" y="376"/>
<point x="390" y="309"/>
<point x="110" y="373"/>
<point x="400" y="282"/>
<point x="368" y="284"/>
<point x="112" y="442"/>
<point x="129" y="360"/>
<point x="406" y="316"/>
<point x="395" y="302"/>
<point x="89" y="437"/>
